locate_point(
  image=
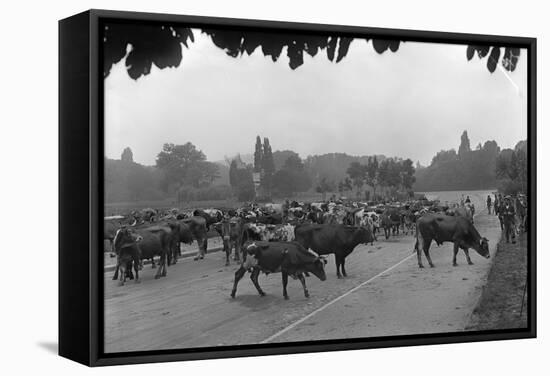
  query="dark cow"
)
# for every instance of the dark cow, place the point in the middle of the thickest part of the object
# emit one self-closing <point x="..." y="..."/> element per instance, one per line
<point x="289" y="258"/>
<point x="270" y="219"/>
<point x="143" y="243"/>
<point x="338" y="239"/>
<point x="195" y="225"/>
<point x="211" y="217"/>
<point x="390" y="222"/>
<point x="232" y="232"/>
<point x="444" y="228"/>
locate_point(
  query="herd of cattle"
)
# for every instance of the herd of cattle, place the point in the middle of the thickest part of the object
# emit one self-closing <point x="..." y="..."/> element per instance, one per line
<point x="290" y="238"/>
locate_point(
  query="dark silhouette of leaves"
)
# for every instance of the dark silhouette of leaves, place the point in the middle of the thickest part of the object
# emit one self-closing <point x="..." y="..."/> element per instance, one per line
<point x="343" y="48"/>
<point x="509" y="59"/>
<point x="492" y="61"/>
<point x="382" y="45"/>
<point x="157" y="44"/>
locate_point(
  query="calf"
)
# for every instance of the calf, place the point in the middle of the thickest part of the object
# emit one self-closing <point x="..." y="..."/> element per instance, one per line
<point x="143" y="243"/>
<point x="288" y="258"/>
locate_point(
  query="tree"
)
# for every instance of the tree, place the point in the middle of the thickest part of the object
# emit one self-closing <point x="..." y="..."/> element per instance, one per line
<point x="372" y="173"/>
<point x="127" y="155"/>
<point x="268" y="166"/>
<point x="407" y="174"/>
<point x="258" y="155"/>
<point x="357" y="173"/>
<point x="324" y="186"/>
<point x="182" y="165"/>
<point x="292" y="177"/>
<point x="464" y="147"/>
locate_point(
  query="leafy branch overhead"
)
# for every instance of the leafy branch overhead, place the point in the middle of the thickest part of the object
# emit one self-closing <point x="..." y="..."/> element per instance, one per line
<point x="161" y="45"/>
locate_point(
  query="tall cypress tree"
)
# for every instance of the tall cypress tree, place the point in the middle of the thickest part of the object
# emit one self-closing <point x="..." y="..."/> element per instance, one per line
<point x="258" y="155"/>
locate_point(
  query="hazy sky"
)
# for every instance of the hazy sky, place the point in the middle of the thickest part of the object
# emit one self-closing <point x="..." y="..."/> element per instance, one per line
<point x="409" y="104"/>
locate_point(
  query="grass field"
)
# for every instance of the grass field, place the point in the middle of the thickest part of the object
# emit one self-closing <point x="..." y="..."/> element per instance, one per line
<point x="115" y="208"/>
<point x="500" y="303"/>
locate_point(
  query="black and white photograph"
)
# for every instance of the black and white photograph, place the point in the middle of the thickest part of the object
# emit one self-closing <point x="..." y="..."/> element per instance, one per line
<point x="272" y="186"/>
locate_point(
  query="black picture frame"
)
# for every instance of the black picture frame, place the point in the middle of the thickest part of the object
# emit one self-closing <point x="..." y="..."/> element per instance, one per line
<point x="81" y="190"/>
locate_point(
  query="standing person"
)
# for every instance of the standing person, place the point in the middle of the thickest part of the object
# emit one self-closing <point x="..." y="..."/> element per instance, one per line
<point x="509" y="218"/>
<point x="467" y="200"/>
<point x="489" y="203"/>
<point x="462" y="201"/>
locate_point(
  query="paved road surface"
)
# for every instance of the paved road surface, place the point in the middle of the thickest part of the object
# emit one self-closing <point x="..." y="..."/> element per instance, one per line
<point x="191" y="307"/>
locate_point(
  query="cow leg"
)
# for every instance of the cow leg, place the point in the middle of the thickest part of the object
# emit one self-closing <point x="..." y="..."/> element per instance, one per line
<point x="115" y="276"/>
<point x="227" y="249"/>
<point x="254" y="277"/>
<point x="238" y="275"/>
<point x="455" y="252"/>
<point x="122" y="274"/>
<point x="418" y="254"/>
<point x="467" y="256"/>
<point x="163" y="260"/>
<point x="237" y="255"/>
<point x="153" y="265"/>
<point x="343" y="267"/>
<point x="303" y="281"/>
<point x="285" y="282"/>
<point x="135" y="261"/>
<point x="161" y="272"/>
<point x="427" y="252"/>
<point x="203" y="246"/>
<point x="338" y="262"/>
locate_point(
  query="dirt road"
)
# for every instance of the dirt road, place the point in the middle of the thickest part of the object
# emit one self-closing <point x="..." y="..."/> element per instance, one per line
<point x="191" y="307"/>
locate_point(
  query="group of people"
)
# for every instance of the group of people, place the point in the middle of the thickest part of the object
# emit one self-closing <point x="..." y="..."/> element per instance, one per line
<point x="508" y="211"/>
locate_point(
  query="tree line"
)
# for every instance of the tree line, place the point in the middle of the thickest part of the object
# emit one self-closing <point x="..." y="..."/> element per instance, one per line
<point x="485" y="167"/>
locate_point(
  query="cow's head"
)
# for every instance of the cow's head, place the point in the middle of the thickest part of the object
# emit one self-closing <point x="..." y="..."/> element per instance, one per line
<point x="317" y="267"/>
<point x="125" y="237"/>
<point x="483" y="248"/>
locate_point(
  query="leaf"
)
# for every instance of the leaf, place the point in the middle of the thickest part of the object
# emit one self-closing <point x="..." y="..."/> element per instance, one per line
<point x="331" y="48"/>
<point x="394" y="45"/>
<point x="343" y="48"/>
<point x="510" y="58"/>
<point x="295" y="55"/>
<point x="470" y="52"/>
<point x="492" y="61"/>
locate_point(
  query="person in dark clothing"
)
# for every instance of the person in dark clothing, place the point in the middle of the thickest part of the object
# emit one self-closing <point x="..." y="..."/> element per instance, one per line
<point x="508" y="214"/>
<point x="467" y="200"/>
<point x="489" y="203"/>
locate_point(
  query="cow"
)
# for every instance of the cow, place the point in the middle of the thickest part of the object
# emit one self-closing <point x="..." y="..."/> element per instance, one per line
<point x="211" y="217"/>
<point x="288" y="258"/>
<point x="232" y="232"/>
<point x="197" y="226"/>
<point x="390" y="221"/>
<point x="338" y="239"/>
<point x="110" y="228"/>
<point x="270" y="219"/>
<point x="444" y="228"/>
<point x="144" y="243"/>
<point x="128" y="255"/>
<point x="409" y="223"/>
